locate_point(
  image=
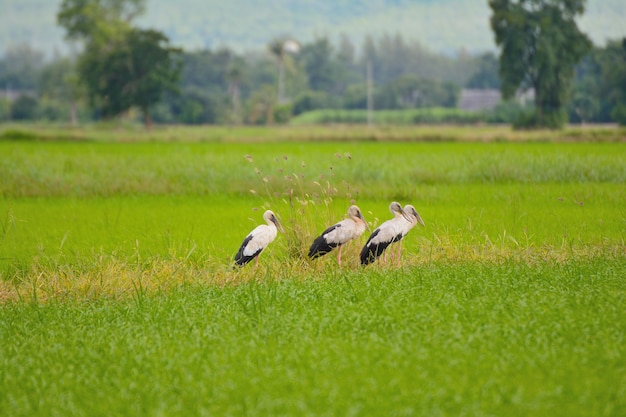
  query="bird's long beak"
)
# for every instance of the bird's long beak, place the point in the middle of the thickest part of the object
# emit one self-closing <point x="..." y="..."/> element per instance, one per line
<point x="278" y="225"/>
<point x="405" y="215"/>
<point x="420" y="221"/>
<point x="367" y="226"/>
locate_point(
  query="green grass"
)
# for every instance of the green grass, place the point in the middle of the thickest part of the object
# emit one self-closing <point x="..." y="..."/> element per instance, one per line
<point x="73" y="205"/>
<point x="446" y="339"/>
<point x="117" y="294"/>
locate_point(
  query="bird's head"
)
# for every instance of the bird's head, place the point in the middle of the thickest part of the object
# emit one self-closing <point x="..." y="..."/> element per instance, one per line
<point x="397" y="210"/>
<point x="355" y="213"/>
<point x="270" y="217"/>
<point x="413" y="214"/>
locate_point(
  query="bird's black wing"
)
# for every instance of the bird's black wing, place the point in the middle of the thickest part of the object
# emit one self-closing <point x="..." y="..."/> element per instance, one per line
<point x="321" y="246"/>
<point x="371" y="251"/>
<point x="240" y="258"/>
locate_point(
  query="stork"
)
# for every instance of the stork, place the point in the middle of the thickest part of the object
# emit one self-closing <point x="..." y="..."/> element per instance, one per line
<point x="408" y="222"/>
<point x="385" y="234"/>
<point x="339" y="234"/>
<point x="258" y="239"/>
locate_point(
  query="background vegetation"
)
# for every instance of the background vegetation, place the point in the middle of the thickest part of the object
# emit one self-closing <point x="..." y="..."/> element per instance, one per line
<point x="222" y="85"/>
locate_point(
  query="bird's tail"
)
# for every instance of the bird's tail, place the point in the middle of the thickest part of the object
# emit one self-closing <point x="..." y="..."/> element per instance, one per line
<point x="370" y="253"/>
<point x="320" y="247"/>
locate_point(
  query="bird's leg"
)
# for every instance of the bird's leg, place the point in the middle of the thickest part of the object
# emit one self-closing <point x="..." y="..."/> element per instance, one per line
<point x="399" y="252"/>
<point x="256" y="263"/>
<point x="339" y="256"/>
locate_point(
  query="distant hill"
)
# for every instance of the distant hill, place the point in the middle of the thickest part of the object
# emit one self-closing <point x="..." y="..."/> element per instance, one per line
<point x="442" y="25"/>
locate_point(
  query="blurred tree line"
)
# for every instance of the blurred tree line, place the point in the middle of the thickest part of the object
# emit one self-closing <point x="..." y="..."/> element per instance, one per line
<point x="123" y="70"/>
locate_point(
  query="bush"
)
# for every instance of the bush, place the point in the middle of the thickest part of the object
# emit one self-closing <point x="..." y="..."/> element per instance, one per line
<point x="52" y="110"/>
<point x="505" y="112"/>
<point x="619" y="114"/>
<point x="18" y="135"/>
<point x="194" y="107"/>
<point x="24" y="108"/>
<point x="547" y="120"/>
<point x="5" y="110"/>
<point x="309" y="100"/>
<point x="282" y="113"/>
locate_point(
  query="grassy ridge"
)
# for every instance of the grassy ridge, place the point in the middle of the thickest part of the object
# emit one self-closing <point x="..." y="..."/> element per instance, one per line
<point x="156" y="206"/>
<point x="304" y="133"/>
<point x="456" y="339"/>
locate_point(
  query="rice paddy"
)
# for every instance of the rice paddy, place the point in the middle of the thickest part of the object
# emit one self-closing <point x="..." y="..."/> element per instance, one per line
<point x="118" y="294"/>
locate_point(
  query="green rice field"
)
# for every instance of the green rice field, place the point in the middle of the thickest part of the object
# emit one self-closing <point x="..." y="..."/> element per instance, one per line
<point x="118" y="295"/>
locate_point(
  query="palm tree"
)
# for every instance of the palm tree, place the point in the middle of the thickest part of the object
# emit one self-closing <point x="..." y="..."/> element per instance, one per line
<point x="234" y="79"/>
<point x="277" y="48"/>
<point x="280" y="47"/>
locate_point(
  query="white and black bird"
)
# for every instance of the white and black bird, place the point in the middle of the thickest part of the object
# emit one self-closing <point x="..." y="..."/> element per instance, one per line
<point x="410" y="219"/>
<point x="258" y="239"/>
<point x="385" y="234"/>
<point x="339" y="234"/>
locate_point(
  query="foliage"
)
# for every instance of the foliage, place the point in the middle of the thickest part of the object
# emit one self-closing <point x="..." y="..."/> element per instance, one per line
<point x="194" y="106"/>
<point x="408" y="92"/>
<point x="260" y="105"/>
<point x="282" y="113"/>
<point x="24" y="108"/>
<point x="5" y="110"/>
<point x="309" y="100"/>
<point x="61" y="90"/>
<point x="234" y="88"/>
<point x="319" y="64"/>
<point x="599" y="84"/>
<point x="540" y="45"/>
<point x="154" y="69"/>
<point x="486" y="76"/>
<point x="619" y="114"/>
<point x="122" y="66"/>
<point x="98" y="21"/>
<point x="506" y="112"/>
<point x="614" y="79"/>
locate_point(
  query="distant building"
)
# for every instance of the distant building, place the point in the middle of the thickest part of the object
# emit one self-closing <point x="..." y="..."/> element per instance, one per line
<point x="476" y="100"/>
<point x="13" y="95"/>
<point x="487" y="99"/>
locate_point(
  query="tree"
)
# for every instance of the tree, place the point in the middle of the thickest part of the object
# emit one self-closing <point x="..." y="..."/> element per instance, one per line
<point x="152" y="69"/>
<point x="24" y="108"/>
<point x="98" y="20"/>
<point x="59" y="83"/>
<point x="317" y="61"/>
<point x="486" y="76"/>
<point x="277" y="49"/>
<point x="234" y="81"/>
<point x="613" y="85"/>
<point x="121" y="66"/>
<point x="280" y="48"/>
<point x="540" y="46"/>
